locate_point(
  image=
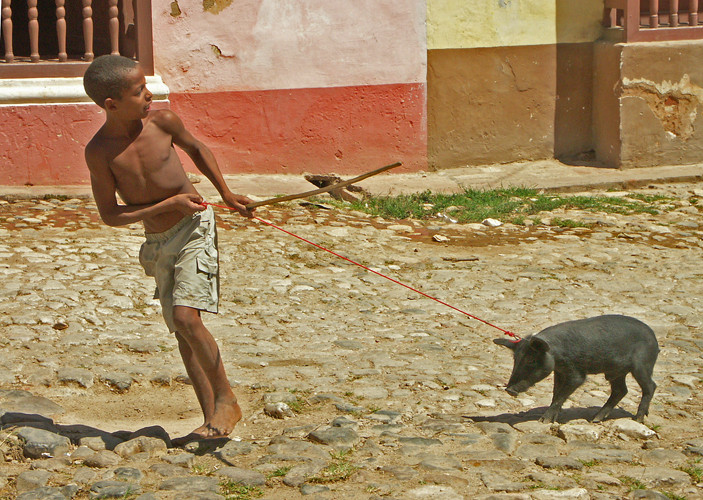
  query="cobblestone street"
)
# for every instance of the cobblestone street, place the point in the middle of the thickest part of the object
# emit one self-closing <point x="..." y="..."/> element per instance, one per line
<point x="351" y="386"/>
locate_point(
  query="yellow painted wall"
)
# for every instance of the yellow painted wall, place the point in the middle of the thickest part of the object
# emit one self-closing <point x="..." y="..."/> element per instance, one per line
<point x="461" y="24"/>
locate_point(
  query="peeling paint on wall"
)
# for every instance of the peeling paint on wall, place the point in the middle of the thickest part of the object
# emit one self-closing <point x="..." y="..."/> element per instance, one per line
<point x="216" y="6"/>
<point x="674" y="104"/>
<point x="175" y="9"/>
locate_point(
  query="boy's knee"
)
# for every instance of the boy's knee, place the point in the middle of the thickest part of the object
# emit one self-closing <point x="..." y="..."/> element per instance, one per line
<point x="186" y="319"/>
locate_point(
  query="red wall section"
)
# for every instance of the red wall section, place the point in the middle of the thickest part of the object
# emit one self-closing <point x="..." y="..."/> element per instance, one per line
<point x="43" y="144"/>
<point x="340" y="129"/>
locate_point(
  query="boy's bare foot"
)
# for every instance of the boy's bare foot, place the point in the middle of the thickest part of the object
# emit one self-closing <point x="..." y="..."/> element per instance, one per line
<point x="221" y="425"/>
<point x="224" y="419"/>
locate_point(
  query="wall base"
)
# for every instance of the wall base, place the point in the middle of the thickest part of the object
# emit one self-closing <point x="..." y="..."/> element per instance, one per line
<point x="648" y="103"/>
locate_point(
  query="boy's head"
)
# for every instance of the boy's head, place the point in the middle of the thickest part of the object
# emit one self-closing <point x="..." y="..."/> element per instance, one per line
<point x="107" y="77"/>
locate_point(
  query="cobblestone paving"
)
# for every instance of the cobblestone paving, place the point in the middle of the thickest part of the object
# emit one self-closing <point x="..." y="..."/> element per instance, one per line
<point x="352" y="386"/>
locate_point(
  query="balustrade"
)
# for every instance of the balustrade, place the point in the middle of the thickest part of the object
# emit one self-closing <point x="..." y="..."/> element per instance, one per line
<point x="62" y="39"/>
<point x="654" y="20"/>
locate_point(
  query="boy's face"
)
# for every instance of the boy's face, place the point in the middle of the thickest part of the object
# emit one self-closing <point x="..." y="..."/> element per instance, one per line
<point x="135" y="99"/>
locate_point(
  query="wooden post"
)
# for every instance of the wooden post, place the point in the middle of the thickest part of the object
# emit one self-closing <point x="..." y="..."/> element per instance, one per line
<point x="142" y="25"/>
<point x="33" y="15"/>
<point x="88" y="30"/>
<point x="7" y="29"/>
<point x="693" y="12"/>
<point x="653" y="13"/>
<point x="113" y="27"/>
<point x="673" y="13"/>
<point x="61" y="29"/>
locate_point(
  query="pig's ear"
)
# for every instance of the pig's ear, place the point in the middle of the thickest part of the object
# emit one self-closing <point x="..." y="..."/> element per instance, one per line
<point x="507" y="343"/>
<point x="538" y="344"/>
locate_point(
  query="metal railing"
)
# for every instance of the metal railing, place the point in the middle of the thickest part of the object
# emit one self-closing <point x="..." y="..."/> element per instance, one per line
<point x="654" y="20"/>
<point x="59" y="40"/>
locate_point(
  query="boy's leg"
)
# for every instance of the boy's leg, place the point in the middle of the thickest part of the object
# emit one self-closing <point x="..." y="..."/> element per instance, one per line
<point x="204" y="365"/>
<point x="201" y="384"/>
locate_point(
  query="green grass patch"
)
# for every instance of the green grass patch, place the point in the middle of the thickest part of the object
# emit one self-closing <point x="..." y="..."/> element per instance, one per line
<point x="239" y="491"/>
<point x="339" y="470"/>
<point x="509" y="205"/>
<point x="632" y="483"/>
<point x="673" y="496"/>
<point x="556" y="221"/>
<point x="590" y="463"/>
<point x="696" y="473"/>
<point x="280" y="472"/>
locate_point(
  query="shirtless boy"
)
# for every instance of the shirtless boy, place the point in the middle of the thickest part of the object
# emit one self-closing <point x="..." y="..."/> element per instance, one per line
<point x="133" y="155"/>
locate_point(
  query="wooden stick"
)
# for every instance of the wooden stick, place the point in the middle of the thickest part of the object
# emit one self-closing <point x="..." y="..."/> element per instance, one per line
<point x="325" y="189"/>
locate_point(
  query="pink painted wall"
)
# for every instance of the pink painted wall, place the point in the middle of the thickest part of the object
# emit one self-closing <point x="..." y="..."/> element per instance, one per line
<point x="284" y="44"/>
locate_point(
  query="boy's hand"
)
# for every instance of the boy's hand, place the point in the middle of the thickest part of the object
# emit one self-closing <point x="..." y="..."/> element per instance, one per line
<point x="239" y="203"/>
<point x="188" y="203"/>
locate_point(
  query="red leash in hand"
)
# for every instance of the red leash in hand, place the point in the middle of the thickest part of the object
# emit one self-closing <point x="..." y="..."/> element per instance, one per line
<point x="507" y="332"/>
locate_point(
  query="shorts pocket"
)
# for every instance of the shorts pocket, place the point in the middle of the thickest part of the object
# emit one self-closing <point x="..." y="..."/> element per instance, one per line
<point x="146" y="259"/>
<point x="206" y="264"/>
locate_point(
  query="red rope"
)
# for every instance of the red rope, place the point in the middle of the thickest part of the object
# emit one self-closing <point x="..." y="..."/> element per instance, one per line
<point x="507" y="332"/>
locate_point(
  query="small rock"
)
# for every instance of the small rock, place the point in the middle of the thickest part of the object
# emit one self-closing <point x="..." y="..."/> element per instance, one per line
<point x="32" y="479"/>
<point x="311" y="489"/>
<point x="575" y="493"/>
<point x="278" y="410"/>
<point x="491" y="222"/>
<point x="102" y="459"/>
<point x="44" y="493"/>
<point x="559" y="463"/>
<point x="233" y="449"/>
<point x="338" y="437"/>
<point x="39" y="443"/>
<point x="579" y="432"/>
<point x="191" y="484"/>
<point x="80" y="376"/>
<point x="246" y="477"/>
<point x="633" y="429"/>
<point x="115" y="489"/>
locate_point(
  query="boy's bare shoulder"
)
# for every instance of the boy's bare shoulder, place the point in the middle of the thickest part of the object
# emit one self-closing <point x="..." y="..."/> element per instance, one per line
<point x="165" y="119"/>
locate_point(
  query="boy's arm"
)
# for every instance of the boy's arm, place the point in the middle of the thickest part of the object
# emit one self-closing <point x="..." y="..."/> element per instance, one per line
<point x="203" y="158"/>
<point x="104" y="190"/>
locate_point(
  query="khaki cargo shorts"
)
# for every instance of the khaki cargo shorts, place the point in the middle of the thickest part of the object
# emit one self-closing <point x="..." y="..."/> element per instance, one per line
<point x="183" y="261"/>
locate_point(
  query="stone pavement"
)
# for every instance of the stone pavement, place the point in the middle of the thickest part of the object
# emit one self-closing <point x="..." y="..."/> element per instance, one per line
<point x="351" y="386"/>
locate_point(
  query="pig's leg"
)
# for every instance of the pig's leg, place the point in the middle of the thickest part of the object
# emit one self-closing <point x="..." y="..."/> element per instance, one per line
<point x="618" y="390"/>
<point x="643" y="376"/>
<point x="564" y="386"/>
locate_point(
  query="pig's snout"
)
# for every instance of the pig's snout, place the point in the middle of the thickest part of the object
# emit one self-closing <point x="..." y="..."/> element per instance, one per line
<point x="516" y="388"/>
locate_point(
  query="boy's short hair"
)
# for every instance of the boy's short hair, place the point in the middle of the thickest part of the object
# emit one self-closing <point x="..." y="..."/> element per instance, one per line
<point x="105" y="77"/>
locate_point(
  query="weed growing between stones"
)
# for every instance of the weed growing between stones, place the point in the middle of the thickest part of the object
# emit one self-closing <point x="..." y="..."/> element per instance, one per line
<point x="339" y="470"/>
<point x="632" y="483"/>
<point x="238" y="491"/>
<point x="695" y="472"/>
